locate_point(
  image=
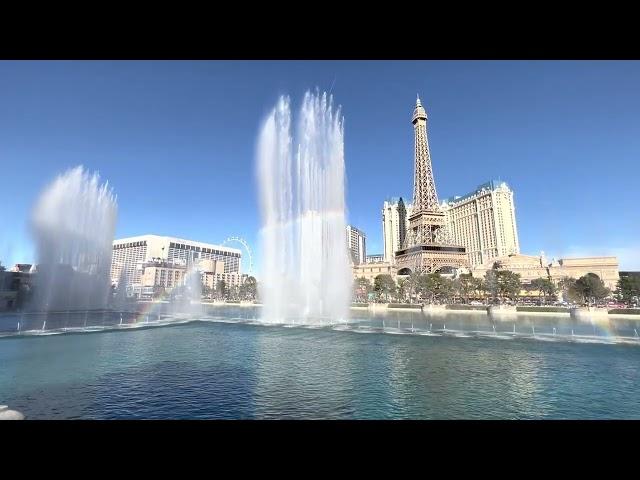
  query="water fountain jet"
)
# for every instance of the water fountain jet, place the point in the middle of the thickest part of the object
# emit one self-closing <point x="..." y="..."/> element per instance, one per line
<point x="73" y="223"/>
<point x="301" y="184"/>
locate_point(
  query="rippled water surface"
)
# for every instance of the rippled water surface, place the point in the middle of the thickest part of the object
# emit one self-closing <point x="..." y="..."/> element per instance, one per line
<point x="463" y="368"/>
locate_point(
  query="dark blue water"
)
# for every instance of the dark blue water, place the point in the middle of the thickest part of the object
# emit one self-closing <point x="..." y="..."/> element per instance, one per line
<point x="238" y="371"/>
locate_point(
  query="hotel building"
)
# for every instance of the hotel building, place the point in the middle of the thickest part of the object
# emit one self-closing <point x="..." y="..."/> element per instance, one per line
<point x="484" y="222"/>
<point x="371" y="270"/>
<point x="357" y="245"/>
<point x="530" y="267"/>
<point x="132" y="255"/>
<point x="395" y="218"/>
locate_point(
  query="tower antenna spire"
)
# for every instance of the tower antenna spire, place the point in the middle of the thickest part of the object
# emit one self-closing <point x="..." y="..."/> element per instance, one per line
<point x="428" y="244"/>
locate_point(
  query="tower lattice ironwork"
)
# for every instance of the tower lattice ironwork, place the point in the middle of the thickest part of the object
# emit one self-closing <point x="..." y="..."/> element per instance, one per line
<point x="428" y="245"/>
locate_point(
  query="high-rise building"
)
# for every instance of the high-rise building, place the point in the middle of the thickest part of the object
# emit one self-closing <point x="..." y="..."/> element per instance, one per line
<point x="395" y="218"/>
<point x="131" y="254"/>
<point x="428" y="246"/>
<point x="357" y="244"/>
<point x="484" y="221"/>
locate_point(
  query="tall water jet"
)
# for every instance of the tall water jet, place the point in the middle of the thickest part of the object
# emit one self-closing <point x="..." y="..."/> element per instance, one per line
<point x="73" y="224"/>
<point x="301" y="182"/>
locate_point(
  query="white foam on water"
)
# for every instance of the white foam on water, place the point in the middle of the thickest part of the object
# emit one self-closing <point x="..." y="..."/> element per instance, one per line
<point x="428" y="334"/>
<point x="590" y="339"/>
<point x="352" y="327"/>
<point x="544" y="338"/>
<point x="395" y="331"/>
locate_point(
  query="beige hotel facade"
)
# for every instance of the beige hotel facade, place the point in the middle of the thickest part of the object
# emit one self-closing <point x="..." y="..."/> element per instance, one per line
<point x="484" y="222"/>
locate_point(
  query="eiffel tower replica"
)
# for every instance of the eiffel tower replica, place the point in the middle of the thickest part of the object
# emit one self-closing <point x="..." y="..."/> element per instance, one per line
<point x="428" y="245"/>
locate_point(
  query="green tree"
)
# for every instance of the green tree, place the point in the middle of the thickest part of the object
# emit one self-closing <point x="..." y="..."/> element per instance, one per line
<point x="565" y="289"/>
<point x="412" y="286"/>
<point x="434" y="286"/>
<point x="490" y="284"/>
<point x="589" y="288"/>
<point x="628" y="289"/>
<point x="384" y="286"/>
<point x="466" y="285"/>
<point x="402" y="290"/>
<point x="444" y="288"/>
<point x="221" y="289"/>
<point x="544" y="286"/>
<point x="361" y="289"/>
<point x="207" y="291"/>
<point x="425" y="287"/>
<point x="233" y="292"/>
<point x="249" y="288"/>
<point x="478" y="287"/>
<point x="509" y="284"/>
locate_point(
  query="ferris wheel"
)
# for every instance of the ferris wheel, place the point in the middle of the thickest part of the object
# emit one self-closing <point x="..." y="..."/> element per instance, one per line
<point x="247" y="249"/>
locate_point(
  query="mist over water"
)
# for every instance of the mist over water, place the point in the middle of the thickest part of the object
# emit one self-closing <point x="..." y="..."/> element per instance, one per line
<point x="73" y="225"/>
<point x="187" y="298"/>
<point x="301" y="182"/>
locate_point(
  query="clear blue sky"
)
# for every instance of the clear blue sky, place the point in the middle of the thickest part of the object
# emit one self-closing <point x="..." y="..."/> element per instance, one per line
<point x="176" y="140"/>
